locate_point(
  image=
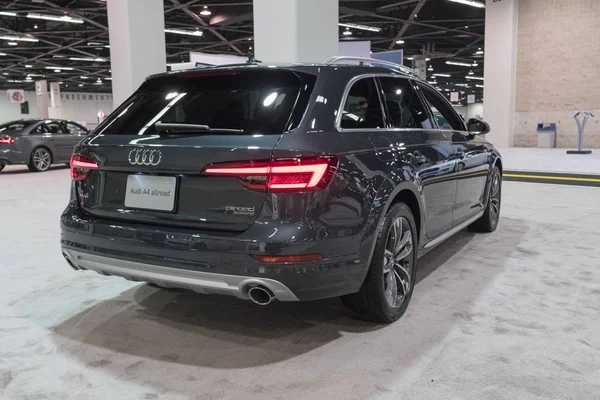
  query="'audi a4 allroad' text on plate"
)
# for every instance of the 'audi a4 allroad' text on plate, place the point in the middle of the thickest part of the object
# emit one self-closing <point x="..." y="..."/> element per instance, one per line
<point x="286" y="182"/>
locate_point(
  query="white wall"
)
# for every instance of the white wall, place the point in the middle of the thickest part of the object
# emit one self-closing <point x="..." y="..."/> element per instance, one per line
<point x="474" y="110"/>
<point x="77" y="109"/>
<point x="462" y="110"/>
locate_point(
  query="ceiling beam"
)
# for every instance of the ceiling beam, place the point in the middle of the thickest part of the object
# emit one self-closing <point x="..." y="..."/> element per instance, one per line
<point x="207" y="26"/>
<point x="412" y="16"/>
<point x="394" y="5"/>
<point x="77" y="15"/>
<point x="59" y="48"/>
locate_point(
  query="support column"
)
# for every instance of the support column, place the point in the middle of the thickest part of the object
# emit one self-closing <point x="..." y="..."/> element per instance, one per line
<point x="41" y="99"/>
<point x="500" y="70"/>
<point x="296" y="30"/>
<point x="137" y="44"/>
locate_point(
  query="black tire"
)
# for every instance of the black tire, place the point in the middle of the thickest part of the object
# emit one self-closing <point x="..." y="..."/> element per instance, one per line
<point x="35" y="164"/>
<point x="2" y="166"/>
<point x="371" y="302"/>
<point x="489" y="220"/>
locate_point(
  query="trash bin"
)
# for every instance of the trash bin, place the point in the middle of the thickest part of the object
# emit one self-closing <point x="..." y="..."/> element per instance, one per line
<point x="546" y="135"/>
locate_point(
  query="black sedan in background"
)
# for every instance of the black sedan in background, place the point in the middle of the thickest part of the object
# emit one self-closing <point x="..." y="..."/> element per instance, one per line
<point x="38" y="143"/>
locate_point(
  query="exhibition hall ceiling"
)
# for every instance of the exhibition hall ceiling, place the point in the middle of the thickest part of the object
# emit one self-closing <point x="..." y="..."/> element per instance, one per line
<point x="67" y="40"/>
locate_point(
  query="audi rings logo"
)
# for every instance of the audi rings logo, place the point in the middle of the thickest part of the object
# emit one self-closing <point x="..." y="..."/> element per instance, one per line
<point x="145" y="157"/>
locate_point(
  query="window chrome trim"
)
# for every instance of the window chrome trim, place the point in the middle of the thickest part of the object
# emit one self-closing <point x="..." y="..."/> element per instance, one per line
<point x="351" y="82"/>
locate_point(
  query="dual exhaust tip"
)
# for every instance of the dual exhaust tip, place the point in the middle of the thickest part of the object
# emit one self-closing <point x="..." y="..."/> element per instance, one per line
<point x="261" y="295"/>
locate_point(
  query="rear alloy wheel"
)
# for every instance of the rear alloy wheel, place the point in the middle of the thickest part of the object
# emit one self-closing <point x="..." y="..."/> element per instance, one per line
<point x="40" y="160"/>
<point x="489" y="220"/>
<point x="388" y="287"/>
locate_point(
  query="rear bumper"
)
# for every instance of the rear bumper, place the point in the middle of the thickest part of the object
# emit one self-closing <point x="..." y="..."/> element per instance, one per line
<point x="10" y="156"/>
<point x="198" y="281"/>
<point x="208" y="262"/>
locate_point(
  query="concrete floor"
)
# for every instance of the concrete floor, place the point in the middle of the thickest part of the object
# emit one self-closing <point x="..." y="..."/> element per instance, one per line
<point x="509" y="315"/>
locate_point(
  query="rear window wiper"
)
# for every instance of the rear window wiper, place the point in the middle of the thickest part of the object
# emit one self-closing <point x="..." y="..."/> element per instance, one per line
<point x="182" y="129"/>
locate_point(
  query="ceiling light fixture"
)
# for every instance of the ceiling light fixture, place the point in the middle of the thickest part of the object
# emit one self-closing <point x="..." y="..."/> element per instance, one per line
<point x="8" y="14"/>
<point x="12" y="43"/>
<point x="182" y="32"/>
<point x="430" y="69"/>
<point x="61" y="68"/>
<point x="205" y="11"/>
<point x="443" y="75"/>
<point x="479" y="52"/>
<point x="469" y="3"/>
<point x="19" y="38"/>
<point x="87" y="59"/>
<point x="458" y="63"/>
<point x="28" y="78"/>
<point x="400" y="41"/>
<point x="479" y="86"/>
<point x="347" y="32"/>
<point x="479" y="78"/>
<point x="361" y="27"/>
<point x="471" y="73"/>
<point x="3" y="54"/>
<point x="57" y="70"/>
<point x="64" y="18"/>
<point x="28" y="66"/>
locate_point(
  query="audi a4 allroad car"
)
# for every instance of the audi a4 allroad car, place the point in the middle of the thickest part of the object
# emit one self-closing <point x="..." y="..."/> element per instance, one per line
<point x="287" y="182"/>
<point x="38" y="143"/>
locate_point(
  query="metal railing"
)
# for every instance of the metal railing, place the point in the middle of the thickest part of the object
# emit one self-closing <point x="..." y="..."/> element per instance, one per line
<point x="371" y="61"/>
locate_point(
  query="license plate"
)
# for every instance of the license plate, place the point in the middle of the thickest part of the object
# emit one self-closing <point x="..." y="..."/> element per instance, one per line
<point x="151" y="192"/>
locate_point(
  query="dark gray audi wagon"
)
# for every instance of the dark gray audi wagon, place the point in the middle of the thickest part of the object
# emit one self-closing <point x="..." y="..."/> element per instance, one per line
<point x="280" y="182"/>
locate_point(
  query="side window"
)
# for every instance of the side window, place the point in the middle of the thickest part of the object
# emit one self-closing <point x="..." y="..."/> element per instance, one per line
<point x="75" y="129"/>
<point x="443" y="113"/>
<point x="363" y="108"/>
<point x="41" y="129"/>
<point x="53" y="128"/>
<point x="404" y="105"/>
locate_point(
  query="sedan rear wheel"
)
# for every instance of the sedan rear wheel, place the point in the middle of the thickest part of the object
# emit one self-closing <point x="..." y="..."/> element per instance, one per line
<point x="40" y="160"/>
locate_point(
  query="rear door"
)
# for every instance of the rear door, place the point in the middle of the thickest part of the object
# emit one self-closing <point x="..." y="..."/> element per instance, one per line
<point x="155" y="176"/>
<point x="74" y="134"/>
<point x="429" y="150"/>
<point x="60" y="139"/>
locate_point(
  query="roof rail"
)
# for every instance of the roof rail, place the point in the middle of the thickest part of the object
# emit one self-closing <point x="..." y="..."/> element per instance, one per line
<point x="370" y="61"/>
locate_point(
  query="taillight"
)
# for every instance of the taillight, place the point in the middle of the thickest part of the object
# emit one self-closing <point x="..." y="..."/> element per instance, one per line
<point x="81" y="166"/>
<point x="6" y="140"/>
<point x="292" y="174"/>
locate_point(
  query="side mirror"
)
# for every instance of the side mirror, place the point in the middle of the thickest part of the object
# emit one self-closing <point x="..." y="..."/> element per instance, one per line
<point x="477" y="127"/>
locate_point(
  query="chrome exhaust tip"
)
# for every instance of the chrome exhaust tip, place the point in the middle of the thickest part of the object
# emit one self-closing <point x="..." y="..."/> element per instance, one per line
<point x="261" y="295"/>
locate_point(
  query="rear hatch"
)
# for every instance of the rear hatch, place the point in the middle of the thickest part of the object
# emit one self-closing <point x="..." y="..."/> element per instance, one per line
<point x="152" y="150"/>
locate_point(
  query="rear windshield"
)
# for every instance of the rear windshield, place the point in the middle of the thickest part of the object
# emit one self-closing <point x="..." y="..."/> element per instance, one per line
<point x="240" y="102"/>
<point x="16" y="126"/>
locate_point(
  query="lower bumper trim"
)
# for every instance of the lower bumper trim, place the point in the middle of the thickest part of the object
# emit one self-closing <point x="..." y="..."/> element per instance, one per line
<point x="201" y="282"/>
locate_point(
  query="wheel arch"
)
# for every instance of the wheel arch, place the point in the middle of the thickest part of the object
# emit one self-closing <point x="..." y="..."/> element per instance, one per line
<point x="406" y="192"/>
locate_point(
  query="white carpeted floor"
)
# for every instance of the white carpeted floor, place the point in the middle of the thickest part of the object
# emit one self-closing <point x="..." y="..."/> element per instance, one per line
<point x="509" y="315"/>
